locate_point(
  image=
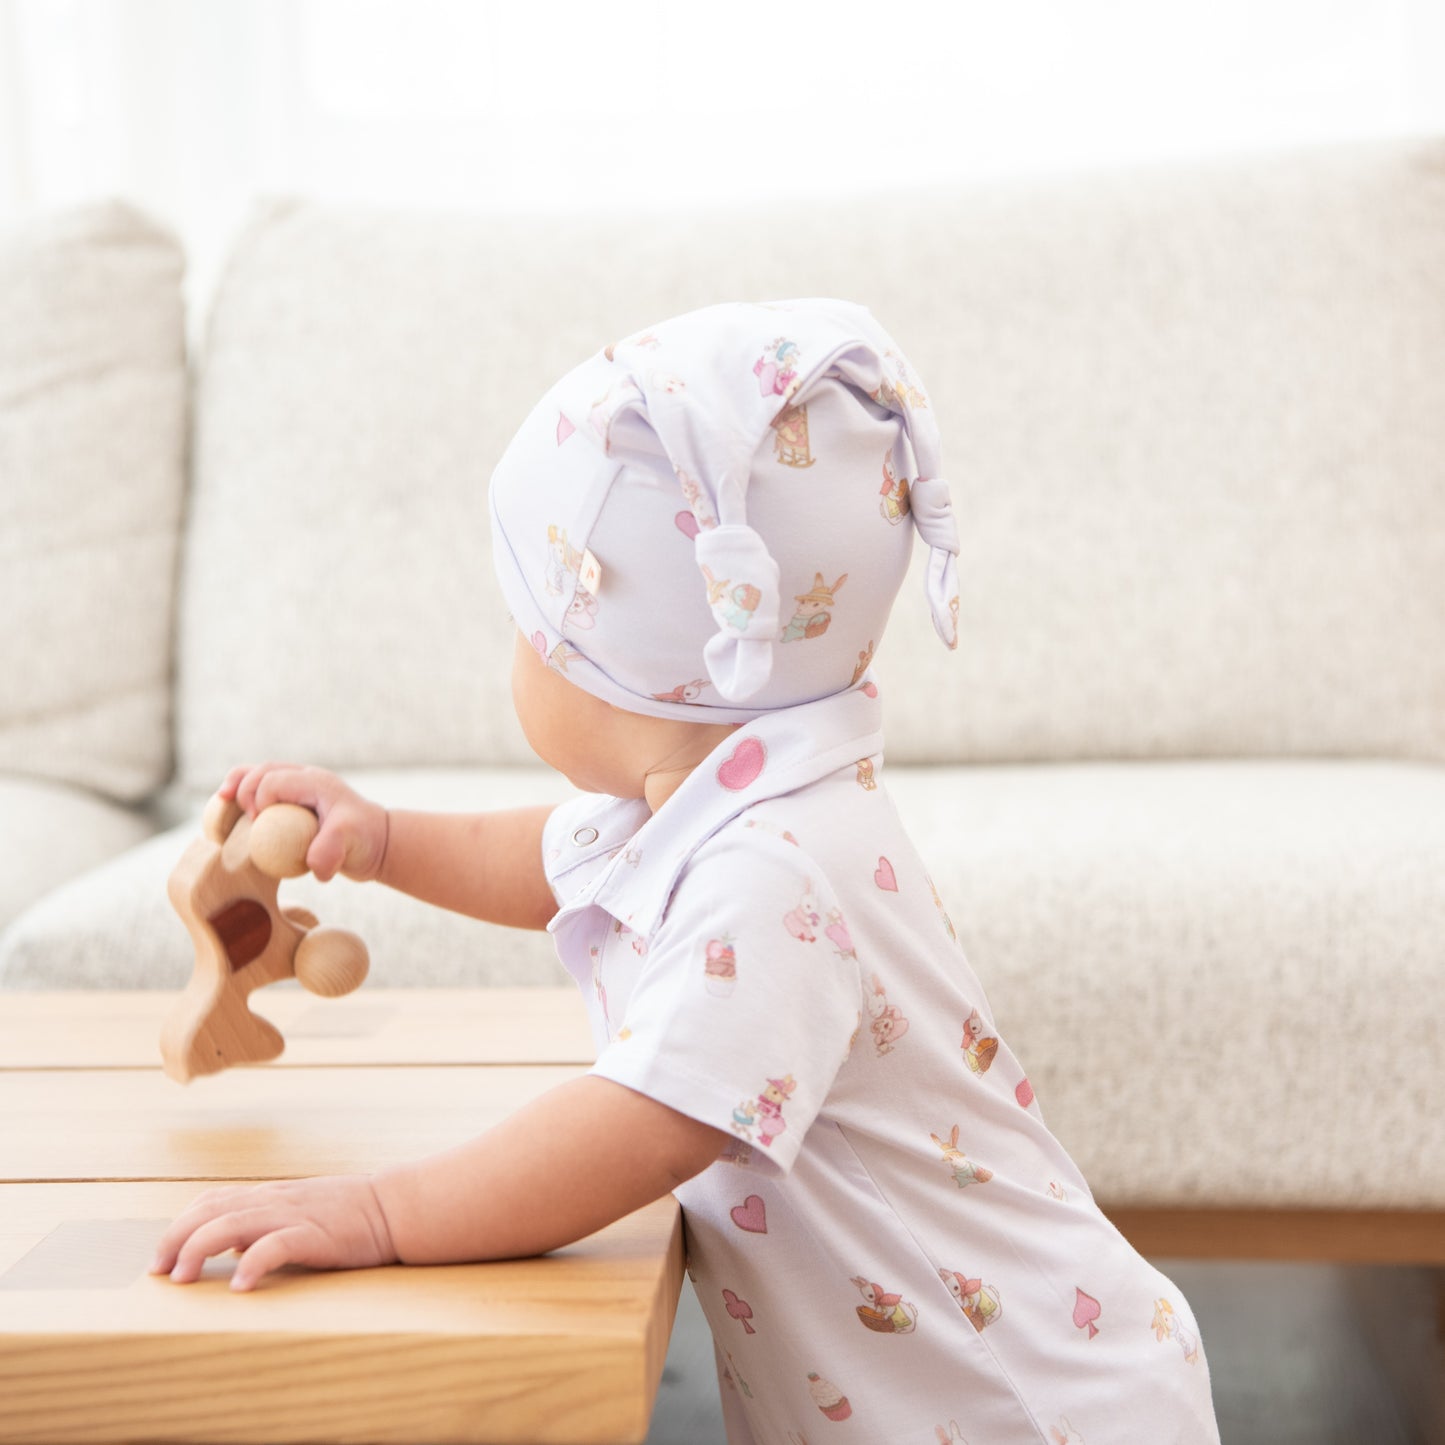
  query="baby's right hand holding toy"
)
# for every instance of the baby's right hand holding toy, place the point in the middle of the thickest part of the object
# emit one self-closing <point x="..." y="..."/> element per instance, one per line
<point x="353" y="831"/>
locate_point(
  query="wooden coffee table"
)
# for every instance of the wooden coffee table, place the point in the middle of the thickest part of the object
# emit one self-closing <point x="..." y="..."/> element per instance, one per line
<point x="99" y="1151"/>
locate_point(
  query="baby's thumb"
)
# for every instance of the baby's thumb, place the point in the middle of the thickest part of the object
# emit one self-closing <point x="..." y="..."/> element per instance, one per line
<point x="327" y="853"/>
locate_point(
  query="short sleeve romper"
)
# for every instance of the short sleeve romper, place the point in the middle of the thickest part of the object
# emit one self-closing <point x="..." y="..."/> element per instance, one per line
<point x="892" y="1247"/>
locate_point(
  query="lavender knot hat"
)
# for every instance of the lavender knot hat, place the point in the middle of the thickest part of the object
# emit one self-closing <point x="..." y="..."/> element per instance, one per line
<point x="711" y="519"/>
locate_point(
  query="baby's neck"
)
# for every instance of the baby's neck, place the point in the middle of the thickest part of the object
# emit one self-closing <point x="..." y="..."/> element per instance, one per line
<point x="667" y="775"/>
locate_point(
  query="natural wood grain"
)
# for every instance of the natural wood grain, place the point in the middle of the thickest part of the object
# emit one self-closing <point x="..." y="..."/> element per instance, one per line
<point x="114" y="1029"/>
<point x="248" y="1123"/>
<point x="564" y="1348"/>
<point x="1342" y="1236"/>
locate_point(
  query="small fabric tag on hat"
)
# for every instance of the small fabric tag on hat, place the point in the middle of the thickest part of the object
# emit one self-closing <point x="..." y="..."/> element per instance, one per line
<point x="590" y="573"/>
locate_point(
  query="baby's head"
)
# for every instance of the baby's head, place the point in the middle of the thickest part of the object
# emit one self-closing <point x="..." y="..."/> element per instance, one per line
<point x="710" y="520"/>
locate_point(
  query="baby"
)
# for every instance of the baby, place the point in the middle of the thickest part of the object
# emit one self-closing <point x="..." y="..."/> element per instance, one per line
<point x="700" y="533"/>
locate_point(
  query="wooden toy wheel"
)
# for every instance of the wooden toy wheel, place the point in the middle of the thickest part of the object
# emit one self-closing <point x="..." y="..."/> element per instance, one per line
<point x="331" y="962"/>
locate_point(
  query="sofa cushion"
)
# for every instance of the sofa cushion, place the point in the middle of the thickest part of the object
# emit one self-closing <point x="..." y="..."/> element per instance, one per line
<point x="1218" y="975"/>
<point x="1192" y="418"/>
<point x="115" y="928"/>
<point x="1222" y="977"/>
<point x="53" y="832"/>
<point x="92" y="457"/>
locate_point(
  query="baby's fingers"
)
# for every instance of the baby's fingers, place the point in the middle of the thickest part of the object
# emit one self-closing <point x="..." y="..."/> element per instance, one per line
<point x="296" y="1244"/>
<point x="233" y="779"/>
<point x="239" y="1229"/>
<point x="202" y="1209"/>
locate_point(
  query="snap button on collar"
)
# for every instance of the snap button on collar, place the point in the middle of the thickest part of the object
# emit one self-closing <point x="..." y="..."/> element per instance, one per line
<point x="584" y="837"/>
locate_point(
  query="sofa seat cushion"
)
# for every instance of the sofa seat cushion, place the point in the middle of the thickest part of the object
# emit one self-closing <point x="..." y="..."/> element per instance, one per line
<point x="115" y="928"/>
<point x="1222" y="977"/>
<point x="53" y="832"/>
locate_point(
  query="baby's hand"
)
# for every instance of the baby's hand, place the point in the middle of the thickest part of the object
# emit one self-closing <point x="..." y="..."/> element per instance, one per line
<point x="353" y="834"/>
<point x="327" y="1223"/>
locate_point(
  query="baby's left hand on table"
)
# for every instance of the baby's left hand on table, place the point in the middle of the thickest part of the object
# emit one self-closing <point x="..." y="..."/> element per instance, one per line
<point x="326" y="1223"/>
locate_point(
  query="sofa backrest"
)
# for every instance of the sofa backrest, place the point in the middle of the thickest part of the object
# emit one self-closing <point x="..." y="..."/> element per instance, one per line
<point x="92" y="480"/>
<point x="1194" y="422"/>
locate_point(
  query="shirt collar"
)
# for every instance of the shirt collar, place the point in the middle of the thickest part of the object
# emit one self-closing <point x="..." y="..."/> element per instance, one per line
<point x="772" y="755"/>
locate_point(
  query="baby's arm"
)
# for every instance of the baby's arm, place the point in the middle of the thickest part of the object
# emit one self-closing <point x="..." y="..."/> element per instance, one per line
<point x="511" y="1192"/>
<point x="485" y="865"/>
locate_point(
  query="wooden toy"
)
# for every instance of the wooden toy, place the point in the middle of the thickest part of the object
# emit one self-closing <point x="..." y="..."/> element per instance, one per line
<point x="224" y="889"/>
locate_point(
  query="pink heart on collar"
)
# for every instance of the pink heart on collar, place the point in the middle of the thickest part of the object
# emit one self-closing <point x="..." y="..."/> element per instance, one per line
<point x="743" y="767"/>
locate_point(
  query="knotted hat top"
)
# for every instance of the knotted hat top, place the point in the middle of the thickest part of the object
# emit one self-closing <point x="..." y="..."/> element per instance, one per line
<point x="711" y="519"/>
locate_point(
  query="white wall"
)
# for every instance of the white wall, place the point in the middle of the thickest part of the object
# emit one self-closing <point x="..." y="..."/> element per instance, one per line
<point x="192" y="107"/>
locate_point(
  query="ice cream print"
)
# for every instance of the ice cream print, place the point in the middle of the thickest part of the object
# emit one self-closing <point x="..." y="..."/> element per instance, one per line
<point x="1168" y="1326"/>
<point x="720" y="967"/>
<point x="965" y="1172"/>
<point x="828" y="1397"/>
<point x="888" y="1314"/>
<point x="813" y="615"/>
<point x="894" y="492"/>
<point x="790" y="427"/>
<point x="978" y="1046"/>
<point x="777" y="368"/>
<point x="979" y="1301"/>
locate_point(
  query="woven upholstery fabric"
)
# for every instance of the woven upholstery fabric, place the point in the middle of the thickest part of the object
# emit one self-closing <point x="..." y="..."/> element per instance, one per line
<point x="1221" y="976"/>
<point x="50" y="832"/>
<point x="1193" y="419"/>
<point x="92" y="475"/>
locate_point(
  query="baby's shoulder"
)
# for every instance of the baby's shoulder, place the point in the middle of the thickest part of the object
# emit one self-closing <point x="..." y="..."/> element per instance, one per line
<point x="753" y="856"/>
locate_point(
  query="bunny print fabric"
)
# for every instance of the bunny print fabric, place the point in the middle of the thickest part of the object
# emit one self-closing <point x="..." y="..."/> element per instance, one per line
<point x="893" y="1247"/>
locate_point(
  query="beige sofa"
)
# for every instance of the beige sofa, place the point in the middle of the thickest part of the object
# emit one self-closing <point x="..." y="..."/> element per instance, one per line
<point x="1182" y="787"/>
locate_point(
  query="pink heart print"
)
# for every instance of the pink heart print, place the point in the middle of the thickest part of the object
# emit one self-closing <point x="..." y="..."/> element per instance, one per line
<point x="751" y="1215"/>
<point x="885" y="877"/>
<point x="564" y="428"/>
<point x="742" y="768"/>
<point x="1024" y="1093"/>
<point x="686" y="523"/>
